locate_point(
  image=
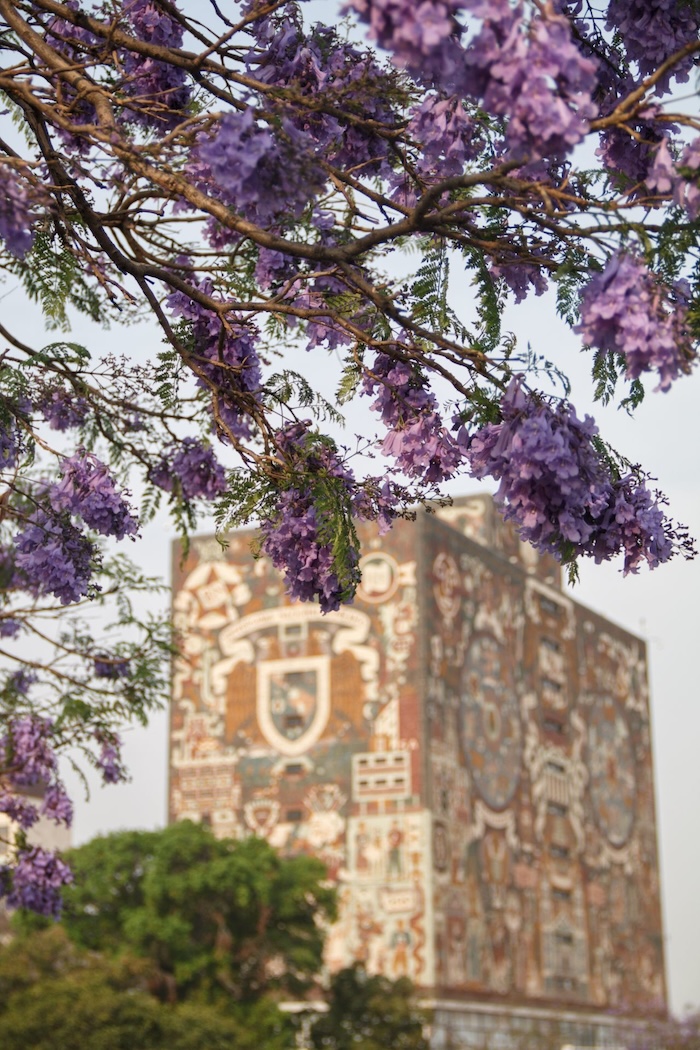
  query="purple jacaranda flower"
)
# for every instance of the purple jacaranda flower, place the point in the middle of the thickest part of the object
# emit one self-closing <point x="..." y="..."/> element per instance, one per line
<point x="111" y="667"/>
<point x="88" y="490"/>
<point x="63" y="409"/>
<point x="56" y="805"/>
<point x="54" y="557"/>
<point x="560" y="492"/>
<point x="26" y="751"/>
<point x="19" y="810"/>
<point x="15" y="212"/>
<point x="626" y="309"/>
<point x="35" y="881"/>
<point x="193" y="469"/>
<point x="416" y="437"/>
<point x="109" y="761"/>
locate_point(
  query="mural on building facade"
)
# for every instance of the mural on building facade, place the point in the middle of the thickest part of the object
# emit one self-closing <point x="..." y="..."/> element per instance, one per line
<point x="304" y="729"/>
<point x="465" y="748"/>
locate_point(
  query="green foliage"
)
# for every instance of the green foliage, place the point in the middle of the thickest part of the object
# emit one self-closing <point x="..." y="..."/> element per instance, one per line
<point x="369" y="1013"/>
<point x="55" y="997"/>
<point x="222" y="919"/>
<point x="51" y="277"/>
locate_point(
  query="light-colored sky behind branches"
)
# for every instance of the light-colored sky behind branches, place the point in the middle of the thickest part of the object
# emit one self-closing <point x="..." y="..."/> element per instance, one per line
<point x="661" y="606"/>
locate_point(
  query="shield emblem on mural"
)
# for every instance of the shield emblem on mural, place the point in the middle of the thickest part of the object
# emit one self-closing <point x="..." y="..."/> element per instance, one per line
<point x="293" y="702"/>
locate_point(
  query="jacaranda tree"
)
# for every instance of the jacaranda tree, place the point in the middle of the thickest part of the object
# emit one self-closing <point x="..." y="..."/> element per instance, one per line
<point x="243" y="176"/>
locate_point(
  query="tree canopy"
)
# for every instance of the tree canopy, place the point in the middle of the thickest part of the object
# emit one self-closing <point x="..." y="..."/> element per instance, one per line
<point x="217" y="917"/>
<point x="287" y="198"/>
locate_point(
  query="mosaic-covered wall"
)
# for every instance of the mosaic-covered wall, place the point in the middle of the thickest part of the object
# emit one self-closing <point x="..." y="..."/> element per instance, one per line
<point x="465" y="748"/>
<point x="544" y="840"/>
<point x="305" y="729"/>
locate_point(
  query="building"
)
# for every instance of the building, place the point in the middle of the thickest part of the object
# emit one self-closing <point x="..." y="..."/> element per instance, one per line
<point x="467" y="749"/>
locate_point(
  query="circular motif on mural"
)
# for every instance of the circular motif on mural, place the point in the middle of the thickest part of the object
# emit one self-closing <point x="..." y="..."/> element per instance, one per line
<point x="611" y="770"/>
<point x="491" y="730"/>
<point x="380" y="578"/>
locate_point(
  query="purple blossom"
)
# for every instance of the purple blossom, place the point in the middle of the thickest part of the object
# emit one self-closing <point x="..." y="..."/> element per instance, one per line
<point x="559" y="491"/>
<point x="528" y="71"/>
<point x="26" y="753"/>
<point x="56" y="805"/>
<point x="261" y="173"/>
<point x="421" y="34"/>
<point x="19" y="810"/>
<point x="416" y="437"/>
<point x="63" y="409"/>
<point x="88" y="490"/>
<point x="10" y="444"/>
<point x="295" y="539"/>
<point x="54" y="557"/>
<point x="111" y="667"/>
<point x="15" y="213"/>
<point x="351" y="81"/>
<point x="446" y="135"/>
<point x="35" y="881"/>
<point x="520" y="276"/>
<point x="109" y="762"/>
<point x="631" y="157"/>
<point x="532" y="74"/>
<point x="9" y="628"/>
<point x="193" y="469"/>
<point x="628" y="310"/>
<point x="159" y="89"/>
<point x="653" y="30"/>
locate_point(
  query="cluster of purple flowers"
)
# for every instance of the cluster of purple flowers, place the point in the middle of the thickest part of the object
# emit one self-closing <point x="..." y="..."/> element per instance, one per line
<point x="627" y="310"/>
<point x="225" y="358"/>
<point x="62" y="409"/>
<point x="558" y="489"/>
<point x="15" y="213"/>
<point x="192" y="469"/>
<point x="54" y="557"/>
<point x="653" y="30"/>
<point x="111" y="667"/>
<point x="447" y="136"/>
<point x="27" y="759"/>
<point x="26" y="753"/>
<point x="416" y="437"/>
<point x="109" y="761"/>
<point x="293" y="537"/>
<point x="8" y="445"/>
<point x="159" y="89"/>
<point x="9" y="627"/>
<point x="88" y="491"/>
<point x="422" y="35"/>
<point x="351" y="82"/>
<point x="261" y="173"/>
<point x="528" y="71"/>
<point x="520" y="277"/>
<point x="35" y="881"/>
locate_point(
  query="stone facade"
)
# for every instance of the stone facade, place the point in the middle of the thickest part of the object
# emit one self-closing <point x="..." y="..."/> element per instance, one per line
<point x="465" y="747"/>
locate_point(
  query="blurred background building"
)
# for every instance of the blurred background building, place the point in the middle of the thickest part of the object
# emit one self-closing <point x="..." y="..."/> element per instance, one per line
<point x="465" y="747"/>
